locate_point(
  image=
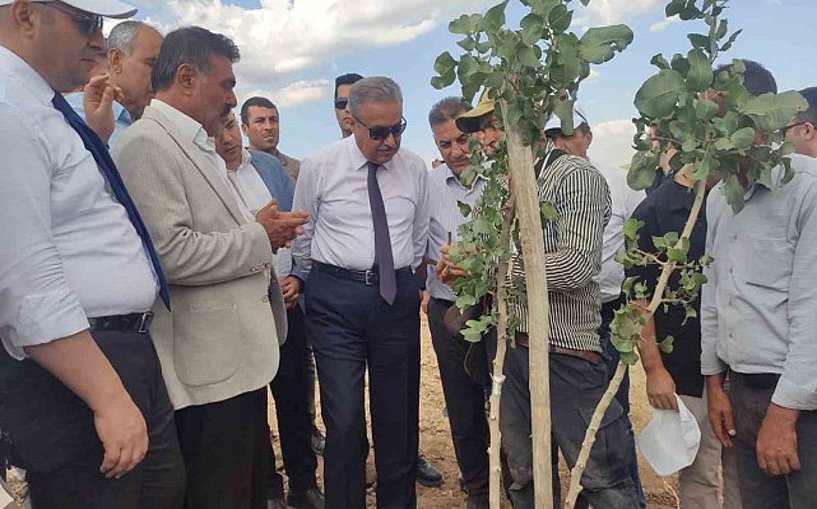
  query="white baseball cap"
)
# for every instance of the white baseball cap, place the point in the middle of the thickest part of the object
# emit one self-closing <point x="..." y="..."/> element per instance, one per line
<point x="107" y="8"/>
<point x="579" y="118"/>
<point x="671" y="439"/>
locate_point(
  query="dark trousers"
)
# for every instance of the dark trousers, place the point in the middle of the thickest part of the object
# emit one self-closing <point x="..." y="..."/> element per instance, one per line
<point x="290" y="389"/>
<point x="226" y="452"/>
<point x="576" y="386"/>
<point x="612" y="358"/>
<point x="56" y="442"/>
<point x="465" y="400"/>
<point x="351" y="327"/>
<point x="751" y="396"/>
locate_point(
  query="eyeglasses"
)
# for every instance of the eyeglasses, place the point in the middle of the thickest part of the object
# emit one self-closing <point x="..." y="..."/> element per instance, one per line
<point x="88" y="23"/>
<point x="785" y="129"/>
<point x="341" y="103"/>
<point x="381" y="133"/>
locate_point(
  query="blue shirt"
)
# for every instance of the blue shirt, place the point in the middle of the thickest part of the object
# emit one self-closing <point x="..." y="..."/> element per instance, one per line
<point x="122" y="119"/>
<point x="759" y="306"/>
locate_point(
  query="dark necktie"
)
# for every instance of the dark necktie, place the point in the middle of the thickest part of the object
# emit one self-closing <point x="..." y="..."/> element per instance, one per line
<point x="382" y="240"/>
<point x="106" y="166"/>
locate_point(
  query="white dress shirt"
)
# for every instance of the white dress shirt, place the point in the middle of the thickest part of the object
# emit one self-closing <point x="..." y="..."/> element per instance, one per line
<point x="253" y="193"/>
<point x="759" y="306"/>
<point x="68" y="250"/>
<point x="332" y="188"/>
<point x="624" y="202"/>
<point x="445" y="192"/>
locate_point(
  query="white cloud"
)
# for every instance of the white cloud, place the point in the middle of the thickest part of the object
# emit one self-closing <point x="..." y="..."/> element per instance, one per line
<point x="612" y="142"/>
<point x="296" y="93"/>
<point x="283" y="37"/>
<point x="609" y="12"/>
<point x="662" y="25"/>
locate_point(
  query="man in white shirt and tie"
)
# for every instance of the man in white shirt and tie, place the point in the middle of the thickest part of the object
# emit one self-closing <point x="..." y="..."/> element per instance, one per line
<point x="81" y="392"/>
<point x="367" y="231"/>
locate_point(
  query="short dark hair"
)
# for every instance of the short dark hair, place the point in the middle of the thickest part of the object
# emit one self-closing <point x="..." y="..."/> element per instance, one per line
<point x="346" y="79"/>
<point x="448" y="109"/>
<point x="810" y="115"/>
<point x="255" y="101"/>
<point x="757" y="79"/>
<point x="190" y="45"/>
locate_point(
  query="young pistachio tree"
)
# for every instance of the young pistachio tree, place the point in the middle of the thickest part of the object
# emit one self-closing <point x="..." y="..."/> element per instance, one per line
<point x="533" y="71"/>
<point x="736" y="136"/>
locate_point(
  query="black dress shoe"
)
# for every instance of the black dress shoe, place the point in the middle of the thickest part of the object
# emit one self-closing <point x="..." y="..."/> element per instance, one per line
<point x="427" y="475"/>
<point x="309" y="499"/>
<point x="277" y="503"/>
<point x="318" y="442"/>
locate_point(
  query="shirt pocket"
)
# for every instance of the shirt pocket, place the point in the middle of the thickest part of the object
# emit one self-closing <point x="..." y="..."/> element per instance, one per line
<point x="204" y="352"/>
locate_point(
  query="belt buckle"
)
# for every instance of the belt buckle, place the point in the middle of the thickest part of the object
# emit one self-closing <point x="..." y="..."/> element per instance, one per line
<point x="369" y="278"/>
<point x="144" y="322"/>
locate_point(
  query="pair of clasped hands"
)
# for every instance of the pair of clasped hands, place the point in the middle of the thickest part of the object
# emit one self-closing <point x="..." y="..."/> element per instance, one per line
<point x="282" y="228"/>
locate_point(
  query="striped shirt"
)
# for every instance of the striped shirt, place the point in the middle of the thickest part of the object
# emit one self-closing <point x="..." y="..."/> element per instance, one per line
<point x="573" y="245"/>
<point x="445" y="192"/>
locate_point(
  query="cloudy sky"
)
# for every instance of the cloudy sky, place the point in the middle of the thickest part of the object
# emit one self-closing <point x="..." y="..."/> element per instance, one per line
<point x="293" y="49"/>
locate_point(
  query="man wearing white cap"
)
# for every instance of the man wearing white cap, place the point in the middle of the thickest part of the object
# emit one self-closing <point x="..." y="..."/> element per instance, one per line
<point x="82" y="398"/>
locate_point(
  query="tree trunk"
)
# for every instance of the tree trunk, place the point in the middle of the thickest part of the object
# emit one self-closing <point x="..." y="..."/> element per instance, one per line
<point x="495" y="468"/>
<point x="525" y="190"/>
<point x="607" y="398"/>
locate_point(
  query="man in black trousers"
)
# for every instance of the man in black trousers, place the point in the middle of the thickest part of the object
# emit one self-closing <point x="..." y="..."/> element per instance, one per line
<point x="368" y="224"/>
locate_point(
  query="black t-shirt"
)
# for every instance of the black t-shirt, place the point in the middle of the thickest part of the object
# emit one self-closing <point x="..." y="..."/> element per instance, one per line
<point x="665" y="210"/>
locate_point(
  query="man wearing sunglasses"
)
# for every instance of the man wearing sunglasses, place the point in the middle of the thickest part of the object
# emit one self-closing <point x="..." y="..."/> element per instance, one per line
<point x="367" y="230"/>
<point x="343" y="84"/>
<point x="83" y="400"/>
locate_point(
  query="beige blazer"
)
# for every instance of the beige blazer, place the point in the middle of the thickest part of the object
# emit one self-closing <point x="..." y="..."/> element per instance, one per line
<point x="221" y="337"/>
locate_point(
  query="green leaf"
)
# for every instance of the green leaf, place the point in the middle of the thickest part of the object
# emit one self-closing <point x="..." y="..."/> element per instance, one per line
<point x="705" y="110"/>
<point x="735" y="195"/>
<point x="743" y="138"/>
<point x="659" y="61"/>
<point x="462" y="25"/>
<point x="666" y="345"/>
<point x="658" y="95"/>
<point x="631" y="227"/>
<point x="723" y="28"/>
<point x="560" y="18"/>
<point x="699" y="78"/>
<point x="532" y="28"/>
<point x="629" y="358"/>
<point x="527" y="57"/>
<point x="466" y="68"/>
<point x="729" y="42"/>
<point x="699" y="41"/>
<point x="642" y="170"/>
<point x="564" y="110"/>
<point x="675" y="7"/>
<point x="598" y="45"/>
<point x="444" y="80"/>
<point x="770" y="112"/>
<point x="444" y="63"/>
<point x="495" y="17"/>
<point x="468" y="44"/>
<point x="465" y="209"/>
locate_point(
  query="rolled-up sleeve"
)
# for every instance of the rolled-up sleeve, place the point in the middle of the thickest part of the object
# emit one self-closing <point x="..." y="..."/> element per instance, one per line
<point x="36" y="304"/>
<point x="797" y="388"/>
<point x="710" y="362"/>
<point x="305" y="200"/>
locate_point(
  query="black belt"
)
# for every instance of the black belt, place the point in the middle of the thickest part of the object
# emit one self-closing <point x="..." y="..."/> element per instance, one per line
<point x="369" y="277"/>
<point x="591" y="357"/>
<point x="137" y="322"/>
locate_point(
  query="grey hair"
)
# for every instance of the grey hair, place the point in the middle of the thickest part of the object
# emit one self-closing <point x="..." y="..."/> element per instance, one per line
<point x="123" y="36"/>
<point x="448" y="109"/>
<point x="377" y="89"/>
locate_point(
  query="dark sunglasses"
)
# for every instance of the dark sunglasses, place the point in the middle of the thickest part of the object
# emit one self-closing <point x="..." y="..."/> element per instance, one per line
<point x="381" y="133"/>
<point x="88" y="23"/>
<point x="785" y="129"/>
<point x="341" y="103"/>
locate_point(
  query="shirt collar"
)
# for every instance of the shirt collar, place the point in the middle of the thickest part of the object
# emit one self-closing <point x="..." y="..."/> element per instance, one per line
<point x="246" y="159"/>
<point x="121" y="114"/>
<point x="189" y="128"/>
<point x="13" y="65"/>
<point x="359" y="160"/>
<point x="450" y="175"/>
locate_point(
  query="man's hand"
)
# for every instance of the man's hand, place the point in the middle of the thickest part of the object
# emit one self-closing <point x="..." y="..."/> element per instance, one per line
<point x="777" y="441"/>
<point x="291" y="289"/>
<point x="446" y="270"/>
<point x="123" y="433"/>
<point x="424" y="296"/>
<point x="98" y="97"/>
<point x="720" y="410"/>
<point x="281" y="227"/>
<point x="661" y="389"/>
